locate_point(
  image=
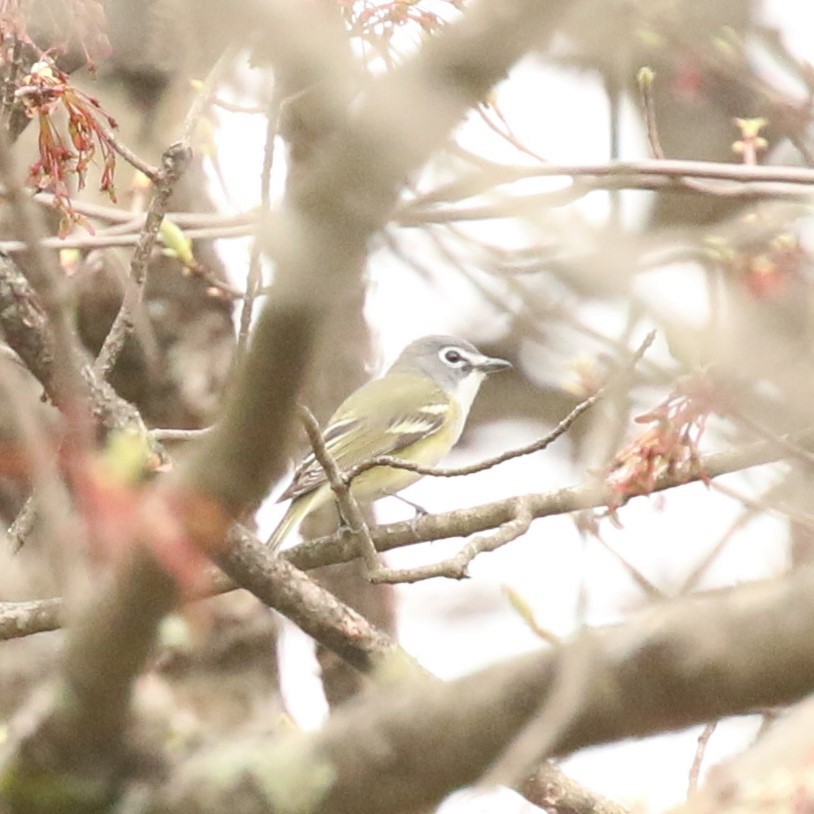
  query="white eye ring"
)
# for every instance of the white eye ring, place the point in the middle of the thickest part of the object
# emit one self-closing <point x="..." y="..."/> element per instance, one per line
<point x="452" y="357"/>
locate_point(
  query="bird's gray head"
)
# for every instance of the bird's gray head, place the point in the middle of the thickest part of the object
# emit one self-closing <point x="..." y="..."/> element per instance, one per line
<point x="453" y="363"/>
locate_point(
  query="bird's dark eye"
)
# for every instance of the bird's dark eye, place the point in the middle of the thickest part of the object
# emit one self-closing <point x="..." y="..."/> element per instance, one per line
<point x="453" y="357"/>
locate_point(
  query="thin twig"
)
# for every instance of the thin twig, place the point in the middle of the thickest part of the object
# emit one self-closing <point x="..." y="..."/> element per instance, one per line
<point x="650" y="590"/>
<point x="750" y="513"/>
<point x="802" y="454"/>
<point x="115" y="214"/>
<point x="23" y="524"/>
<point x="234" y="107"/>
<point x="675" y="168"/>
<point x="700" y="751"/>
<point x="238" y="228"/>
<point x="505" y="132"/>
<point x="524" y="610"/>
<point x="527" y="449"/>
<point x="646" y="77"/>
<point x="173" y="164"/>
<point x="456" y="567"/>
<point x="254" y="278"/>
<point x="348" y="506"/>
<point x="462" y="522"/>
<point x="205" y="94"/>
<point x="613" y="91"/>
<point x="771" y="501"/>
<point x="631" y="171"/>
<point x="178" y="435"/>
<point x="153" y="173"/>
<point x="413" y="214"/>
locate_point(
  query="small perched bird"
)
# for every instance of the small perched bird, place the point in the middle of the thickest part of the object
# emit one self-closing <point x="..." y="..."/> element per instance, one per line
<point x="416" y="411"/>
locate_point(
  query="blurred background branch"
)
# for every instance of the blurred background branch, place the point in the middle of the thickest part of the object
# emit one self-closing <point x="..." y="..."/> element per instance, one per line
<point x="405" y="168"/>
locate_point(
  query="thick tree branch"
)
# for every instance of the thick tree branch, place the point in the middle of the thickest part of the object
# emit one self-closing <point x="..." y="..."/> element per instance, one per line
<point x="678" y="664"/>
<point x="25" y="326"/>
<point x="279" y="585"/>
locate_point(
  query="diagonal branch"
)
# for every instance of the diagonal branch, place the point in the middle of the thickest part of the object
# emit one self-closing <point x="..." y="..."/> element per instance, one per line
<point x="681" y="663"/>
<point x="174" y="162"/>
<point x="67" y="388"/>
<point x="348" y="506"/>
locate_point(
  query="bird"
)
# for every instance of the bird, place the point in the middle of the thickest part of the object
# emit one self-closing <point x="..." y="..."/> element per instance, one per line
<point x="415" y="411"/>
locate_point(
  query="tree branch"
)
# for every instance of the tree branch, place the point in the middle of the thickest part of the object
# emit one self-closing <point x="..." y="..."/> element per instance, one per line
<point x="66" y="386"/>
<point x="174" y="162"/>
<point x="32" y="617"/>
<point x="552" y="790"/>
<point x="630" y="171"/>
<point x="463" y="522"/>
<point x="682" y="663"/>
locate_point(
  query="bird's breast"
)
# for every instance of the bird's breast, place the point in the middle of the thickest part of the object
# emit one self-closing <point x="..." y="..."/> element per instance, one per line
<point x="387" y="480"/>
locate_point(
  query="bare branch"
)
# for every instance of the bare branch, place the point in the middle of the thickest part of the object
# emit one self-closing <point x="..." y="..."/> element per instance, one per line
<point x="254" y="277"/>
<point x="225" y="226"/>
<point x="19" y="619"/>
<point x="153" y="173"/>
<point x="174" y="162"/>
<point x="463" y="522"/>
<point x="698" y="759"/>
<point x="49" y="284"/>
<point x="178" y="435"/>
<point x="348" y="506"/>
<point x="663" y="168"/>
<point x="205" y="94"/>
<point x="645" y="78"/>
<point x="457" y="567"/>
<point x="273" y="580"/>
<point x="650" y="674"/>
<point x="25" y="327"/>
<point x="552" y="790"/>
<point x="337" y="548"/>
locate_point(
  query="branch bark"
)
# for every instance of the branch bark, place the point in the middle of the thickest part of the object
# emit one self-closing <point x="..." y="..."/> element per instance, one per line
<point x="463" y="522"/>
<point x="245" y="557"/>
<point x="678" y="664"/>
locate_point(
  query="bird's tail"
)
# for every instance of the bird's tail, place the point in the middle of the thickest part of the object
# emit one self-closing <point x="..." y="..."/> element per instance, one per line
<point x="294" y="515"/>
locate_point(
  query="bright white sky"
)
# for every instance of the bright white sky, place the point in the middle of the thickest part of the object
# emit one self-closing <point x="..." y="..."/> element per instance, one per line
<point x="453" y="628"/>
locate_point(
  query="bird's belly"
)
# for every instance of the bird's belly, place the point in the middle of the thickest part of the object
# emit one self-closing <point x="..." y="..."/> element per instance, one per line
<point x="387" y="480"/>
<point x="380" y="482"/>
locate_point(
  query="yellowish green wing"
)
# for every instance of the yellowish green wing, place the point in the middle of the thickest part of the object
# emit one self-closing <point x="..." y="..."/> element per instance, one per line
<point x="378" y="419"/>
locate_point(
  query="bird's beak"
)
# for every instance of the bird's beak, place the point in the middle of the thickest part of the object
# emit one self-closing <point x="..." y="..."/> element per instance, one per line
<point x="491" y="364"/>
